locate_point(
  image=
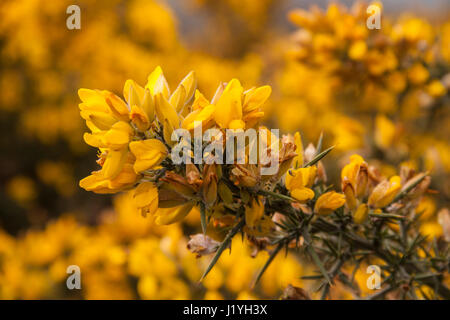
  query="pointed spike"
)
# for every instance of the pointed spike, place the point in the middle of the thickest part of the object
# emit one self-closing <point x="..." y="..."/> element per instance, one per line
<point x="266" y="265"/>
<point x="203" y="217"/>
<point x="319" y="143"/>
<point x="223" y="246"/>
<point x="318" y="157"/>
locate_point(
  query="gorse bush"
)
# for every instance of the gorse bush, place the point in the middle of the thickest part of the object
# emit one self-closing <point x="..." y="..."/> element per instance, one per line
<point x="370" y="219"/>
<point x="330" y="174"/>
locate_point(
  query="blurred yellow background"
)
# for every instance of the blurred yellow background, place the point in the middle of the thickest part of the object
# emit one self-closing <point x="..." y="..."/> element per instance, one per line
<point x="382" y="93"/>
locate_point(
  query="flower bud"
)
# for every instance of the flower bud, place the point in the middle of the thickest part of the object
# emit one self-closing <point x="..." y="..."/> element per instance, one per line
<point x="385" y="192"/>
<point x="361" y="213"/>
<point x="145" y="198"/>
<point x="139" y="118"/>
<point x="164" y="216"/>
<point x="179" y="184"/>
<point x="202" y="245"/>
<point x="246" y="175"/>
<point x="225" y="193"/>
<point x="209" y="184"/>
<point x="349" y="192"/>
<point x="328" y="202"/>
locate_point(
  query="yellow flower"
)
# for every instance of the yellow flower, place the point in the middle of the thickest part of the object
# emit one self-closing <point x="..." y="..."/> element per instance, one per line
<point x="302" y="194"/>
<point x="256" y="223"/>
<point x="384" y="193"/>
<point x="351" y="170"/>
<point x="133" y="93"/>
<point x="116" y="138"/>
<point x="157" y="83"/>
<point x="354" y="179"/>
<point x="156" y="98"/>
<point x="302" y="177"/>
<point x="328" y="202"/>
<point x="385" y="132"/>
<point x="97" y="114"/>
<point x="228" y="111"/>
<point x="436" y="89"/>
<point x="418" y="74"/>
<point x="117" y="106"/>
<point x="254" y="212"/>
<point x="431" y="229"/>
<point x="350" y="194"/>
<point x="253" y="100"/>
<point x="236" y="109"/>
<point x="357" y="50"/>
<point x="202" y="111"/>
<point x="97" y="182"/>
<point x="426" y="208"/>
<point x="298" y="160"/>
<point x="149" y="153"/>
<point x="262" y="228"/>
<point x="141" y="102"/>
<point x="139" y="118"/>
<point x="396" y="81"/>
<point x="361" y="213"/>
<point x="183" y="92"/>
<point x="164" y="216"/>
<point x="299" y="182"/>
<point x="22" y="189"/>
<point x="114" y="162"/>
<point x="146" y="198"/>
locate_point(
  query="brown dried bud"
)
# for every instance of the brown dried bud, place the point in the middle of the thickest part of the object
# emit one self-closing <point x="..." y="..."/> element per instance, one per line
<point x="193" y="175"/>
<point x="406" y="173"/>
<point x="374" y="176"/>
<point x="246" y="175"/>
<point x="210" y="183"/>
<point x="287" y="154"/>
<point x="225" y="193"/>
<point x="444" y="221"/>
<point x="258" y="244"/>
<point x="294" y="293"/>
<point x="321" y="172"/>
<point x="310" y="153"/>
<point x="179" y="184"/>
<point x="168" y="198"/>
<point x="202" y="245"/>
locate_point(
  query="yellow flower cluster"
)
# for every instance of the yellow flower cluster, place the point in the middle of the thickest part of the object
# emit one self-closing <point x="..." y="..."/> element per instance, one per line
<point x="383" y="90"/>
<point x="382" y="94"/>
<point x="122" y="251"/>
<point x="134" y="137"/>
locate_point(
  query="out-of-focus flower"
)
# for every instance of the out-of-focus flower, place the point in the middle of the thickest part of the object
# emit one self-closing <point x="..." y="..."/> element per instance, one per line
<point x="21" y="189"/>
<point x="444" y="221"/>
<point x="174" y="214"/>
<point x="361" y="213"/>
<point x="328" y="202"/>
<point x="383" y="194"/>
<point x="202" y="245"/>
<point x="385" y="132"/>
<point x="256" y="222"/>
<point x="295" y="293"/>
<point x="354" y="180"/>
